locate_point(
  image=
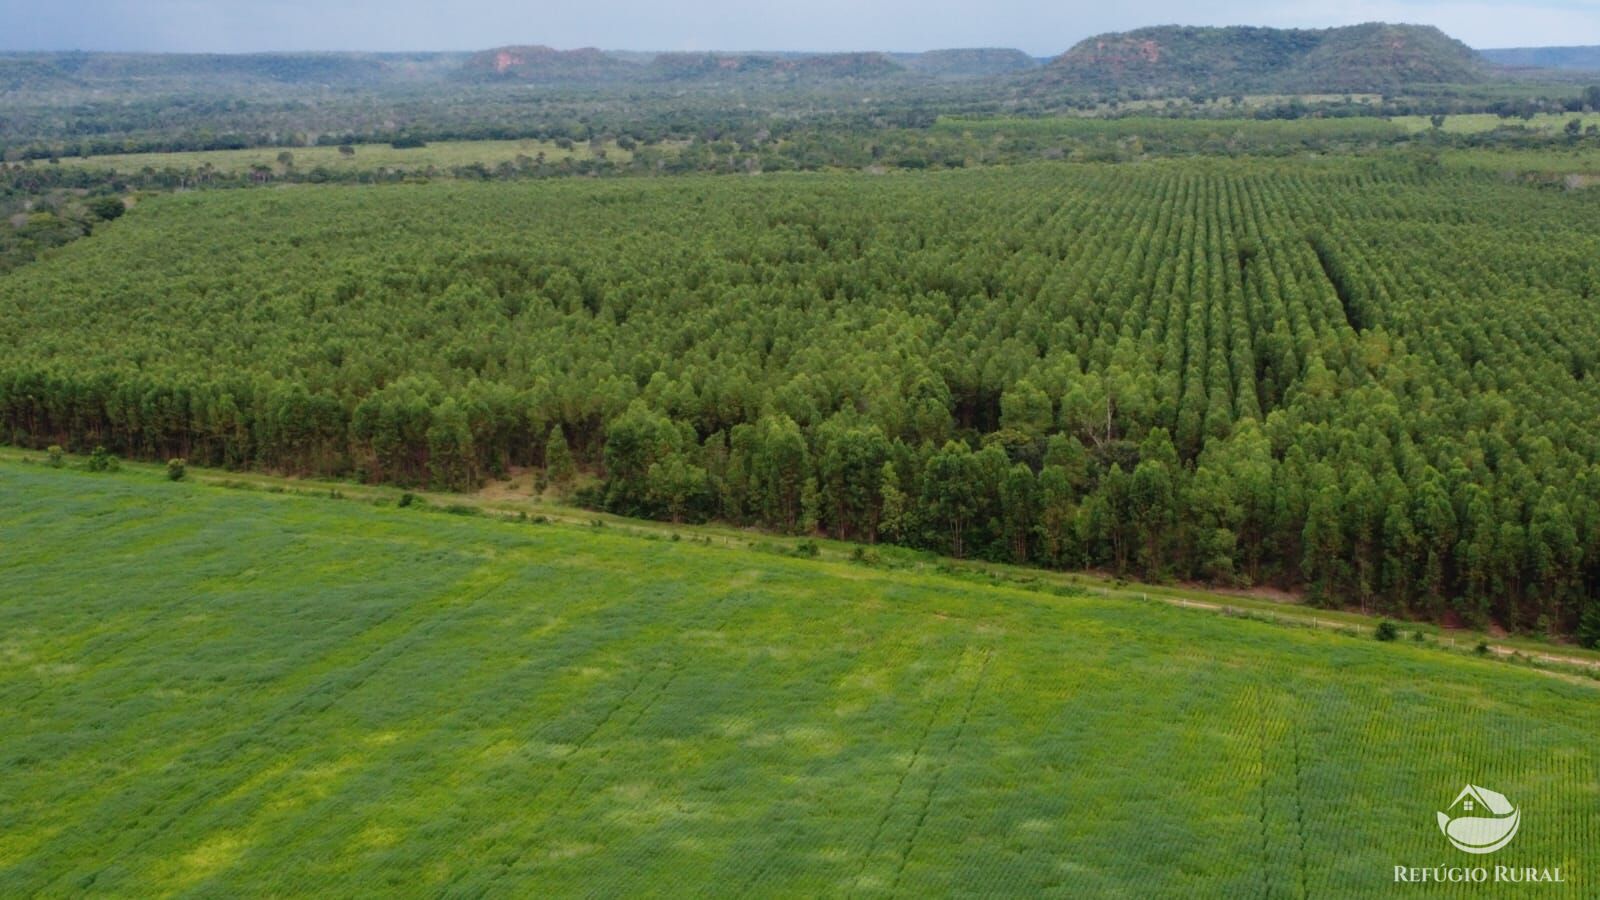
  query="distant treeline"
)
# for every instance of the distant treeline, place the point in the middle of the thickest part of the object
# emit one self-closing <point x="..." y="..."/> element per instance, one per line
<point x="37" y="127"/>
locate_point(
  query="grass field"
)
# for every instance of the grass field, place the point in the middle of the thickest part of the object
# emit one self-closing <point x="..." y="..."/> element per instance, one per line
<point x="441" y="154"/>
<point x="222" y="693"/>
<point x="1578" y="160"/>
<point x="1471" y="123"/>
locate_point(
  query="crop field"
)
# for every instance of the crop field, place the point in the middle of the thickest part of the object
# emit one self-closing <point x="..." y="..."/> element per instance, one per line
<point x="217" y="692"/>
<point x="368" y="157"/>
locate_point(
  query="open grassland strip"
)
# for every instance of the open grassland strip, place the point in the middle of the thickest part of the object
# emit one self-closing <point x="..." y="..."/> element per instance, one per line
<point x="943" y="763"/>
<point x="596" y="712"/>
<point x="367" y="157"/>
<point x="247" y="752"/>
<point x="893" y="809"/>
<point x="1560" y="660"/>
<point x="572" y="668"/>
<point x="1269" y="715"/>
<point x="660" y="671"/>
<point x="1473" y="123"/>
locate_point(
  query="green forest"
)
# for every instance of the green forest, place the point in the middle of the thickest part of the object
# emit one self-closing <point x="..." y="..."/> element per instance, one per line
<point x="1372" y="380"/>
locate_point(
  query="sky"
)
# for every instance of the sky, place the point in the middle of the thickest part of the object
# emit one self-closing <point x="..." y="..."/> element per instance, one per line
<point x="1040" y="27"/>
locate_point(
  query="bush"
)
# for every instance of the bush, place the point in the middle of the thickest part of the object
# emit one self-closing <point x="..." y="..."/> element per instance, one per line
<point x="867" y="556"/>
<point x="807" y="548"/>
<point x="176" y="468"/>
<point x="407" y="499"/>
<point x="57" y="456"/>
<point x="107" y="208"/>
<point x="1386" y="631"/>
<point x="1589" y="626"/>
<point x="1482" y="649"/>
<point x="101" y="460"/>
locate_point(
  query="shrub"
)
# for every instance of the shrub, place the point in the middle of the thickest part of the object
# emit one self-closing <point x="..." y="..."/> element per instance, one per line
<point x="1386" y="631"/>
<point x="1482" y="649"/>
<point x="867" y="556"/>
<point x="107" y="208"/>
<point x="407" y="499"/>
<point x="101" y="460"/>
<point x="1589" y="626"/>
<point x="177" y="468"/>
<point x="57" y="456"/>
<point x="807" y="548"/>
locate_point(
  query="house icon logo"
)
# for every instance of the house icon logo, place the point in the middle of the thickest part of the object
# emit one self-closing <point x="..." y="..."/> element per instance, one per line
<point x="1480" y="820"/>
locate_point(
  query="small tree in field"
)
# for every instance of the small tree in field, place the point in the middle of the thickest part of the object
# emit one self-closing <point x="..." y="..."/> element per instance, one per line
<point x="108" y="208"/>
<point x="176" y="468"/>
<point x="1589" y="626"/>
<point x="101" y="460"/>
<point x="559" y="466"/>
<point x="56" y="455"/>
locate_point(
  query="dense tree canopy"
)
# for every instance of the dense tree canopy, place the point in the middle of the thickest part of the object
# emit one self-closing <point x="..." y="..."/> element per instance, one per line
<point x="1371" y="381"/>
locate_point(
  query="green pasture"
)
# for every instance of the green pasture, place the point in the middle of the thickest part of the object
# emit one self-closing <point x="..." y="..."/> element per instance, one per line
<point x="1574" y="161"/>
<point x="226" y="693"/>
<point x="367" y="157"/>
<point x="1472" y="123"/>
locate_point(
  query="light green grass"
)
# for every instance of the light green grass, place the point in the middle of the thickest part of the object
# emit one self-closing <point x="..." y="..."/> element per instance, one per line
<point x="1556" y="655"/>
<point x="235" y="693"/>
<point x="1571" y="161"/>
<point x="368" y="157"/>
<point x="1472" y="123"/>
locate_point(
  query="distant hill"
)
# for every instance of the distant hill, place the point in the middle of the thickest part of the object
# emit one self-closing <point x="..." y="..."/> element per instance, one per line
<point x="539" y="64"/>
<point x="1582" y="59"/>
<point x="1161" y="61"/>
<point x="547" y="64"/>
<point x="771" y="66"/>
<point x="967" y="63"/>
<point x="216" y="71"/>
<point x="1171" y="60"/>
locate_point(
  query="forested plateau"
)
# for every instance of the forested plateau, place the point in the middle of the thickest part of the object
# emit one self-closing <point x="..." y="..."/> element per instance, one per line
<point x="1370" y="381"/>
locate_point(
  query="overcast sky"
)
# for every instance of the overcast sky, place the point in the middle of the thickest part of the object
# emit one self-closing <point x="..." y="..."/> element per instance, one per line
<point x="1041" y="27"/>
